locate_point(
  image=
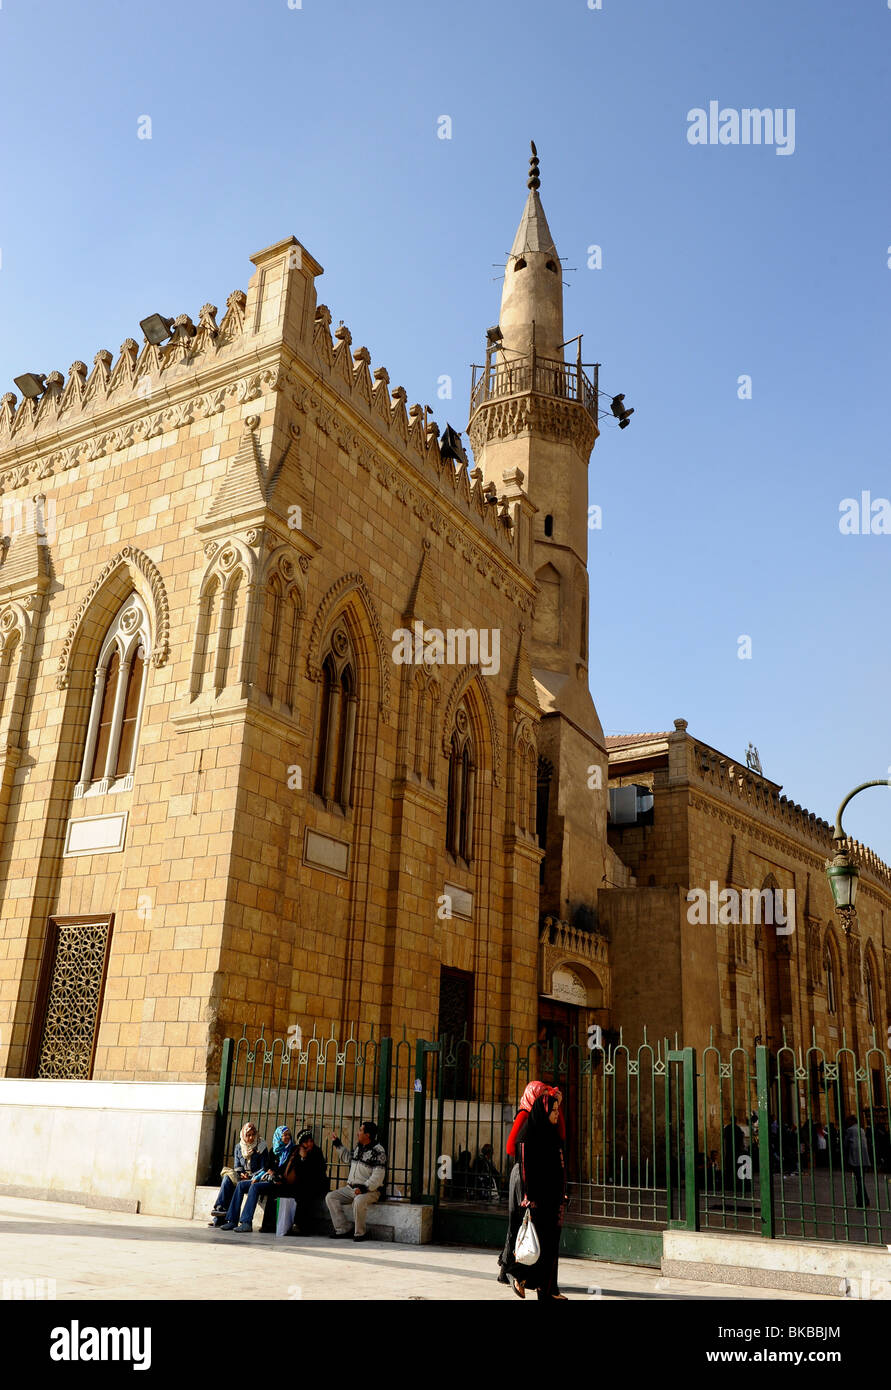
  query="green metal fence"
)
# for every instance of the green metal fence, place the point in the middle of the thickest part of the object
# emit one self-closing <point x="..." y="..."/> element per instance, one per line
<point x="786" y="1143"/>
<point x="795" y="1143"/>
<point x="323" y="1084"/>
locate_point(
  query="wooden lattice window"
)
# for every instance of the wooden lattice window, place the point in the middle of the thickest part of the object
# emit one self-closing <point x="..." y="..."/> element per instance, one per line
<point x="70" y="997"/>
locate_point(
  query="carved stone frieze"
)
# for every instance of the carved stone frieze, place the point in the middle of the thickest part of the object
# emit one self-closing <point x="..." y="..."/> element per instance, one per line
<point x="108" y="440"/>
<point x="561" y="420"/>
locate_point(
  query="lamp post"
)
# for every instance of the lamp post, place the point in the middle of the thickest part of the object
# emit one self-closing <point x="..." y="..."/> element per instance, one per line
<point x="841" y="870"/>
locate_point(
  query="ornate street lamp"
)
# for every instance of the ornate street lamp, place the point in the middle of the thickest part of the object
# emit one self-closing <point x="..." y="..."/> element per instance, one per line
<point x="841" y="870"/>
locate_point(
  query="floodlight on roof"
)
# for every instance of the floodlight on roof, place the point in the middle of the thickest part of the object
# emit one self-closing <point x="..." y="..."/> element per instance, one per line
<point x="156" y="328"/>
<point x="31" y="384"/>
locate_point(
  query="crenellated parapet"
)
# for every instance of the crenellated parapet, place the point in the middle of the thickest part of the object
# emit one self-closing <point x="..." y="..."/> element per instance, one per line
<point x="141" y="375"/>
<point x="755" y="792"/>
<point x="437" y="455"/>
<point x="272" y="339"/>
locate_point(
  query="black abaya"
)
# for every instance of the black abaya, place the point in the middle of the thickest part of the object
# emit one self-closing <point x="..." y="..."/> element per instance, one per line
<point x="538" y="1174"/>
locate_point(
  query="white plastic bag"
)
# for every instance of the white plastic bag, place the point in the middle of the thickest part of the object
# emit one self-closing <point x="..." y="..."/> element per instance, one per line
<point x="287" y="1210"/>
<point x="527" y="1249"/>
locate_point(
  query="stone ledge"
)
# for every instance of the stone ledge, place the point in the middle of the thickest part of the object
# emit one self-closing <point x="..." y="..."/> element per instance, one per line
<point x="77" y="1199"/>
<point x="756" y="1278"/>
<point x="814" y="1267"/>
<point x="400" y="1222"/>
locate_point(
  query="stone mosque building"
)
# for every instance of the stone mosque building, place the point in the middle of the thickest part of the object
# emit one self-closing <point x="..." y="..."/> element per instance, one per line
<point x="296" y="727"/>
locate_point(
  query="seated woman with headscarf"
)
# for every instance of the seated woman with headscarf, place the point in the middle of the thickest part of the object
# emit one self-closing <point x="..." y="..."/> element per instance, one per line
<point x="538" y="1180"/>
<point x="251" y="1156"/>
<point x="277" y="1181"/>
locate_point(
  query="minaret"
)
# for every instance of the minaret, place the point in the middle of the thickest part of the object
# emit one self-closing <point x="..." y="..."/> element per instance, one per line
<point x="533" y="411"/>
<point x="532" y="298"/>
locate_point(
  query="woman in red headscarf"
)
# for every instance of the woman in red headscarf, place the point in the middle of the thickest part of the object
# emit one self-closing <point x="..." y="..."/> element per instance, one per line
<point x="538" y="1181"/>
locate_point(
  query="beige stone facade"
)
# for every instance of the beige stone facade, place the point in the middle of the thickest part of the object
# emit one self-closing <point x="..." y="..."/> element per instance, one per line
<point x="296" y="727"/>
<point x="228" y="799"/>
<point x="715" y="825"/>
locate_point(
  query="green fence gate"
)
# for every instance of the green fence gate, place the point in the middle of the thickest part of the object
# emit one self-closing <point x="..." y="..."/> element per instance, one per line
<point x="777" y="1143"/>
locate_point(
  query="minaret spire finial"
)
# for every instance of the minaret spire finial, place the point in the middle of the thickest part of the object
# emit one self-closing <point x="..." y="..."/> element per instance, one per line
<point x="534" y="181"/>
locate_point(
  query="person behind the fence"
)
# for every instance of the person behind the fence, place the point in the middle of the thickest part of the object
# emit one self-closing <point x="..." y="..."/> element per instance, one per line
<point x="819" y="1144"/>
<point x="515" y="1208"/>
<point x="734" y="1147"/>
<point x="857" y="1159"/>
<point x="486" y="1173"/>
<point x="542" y="1167"/>
<point x="277" y="1179"/>
<point x="484" y="1163"/>
<point x="368" y="1168"/>
<point x="311" y="1172"/>
<point x="251" y="1156"/>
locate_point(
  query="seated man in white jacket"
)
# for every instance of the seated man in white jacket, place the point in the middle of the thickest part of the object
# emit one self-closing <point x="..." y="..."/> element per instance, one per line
<point x="368" y="1168"/>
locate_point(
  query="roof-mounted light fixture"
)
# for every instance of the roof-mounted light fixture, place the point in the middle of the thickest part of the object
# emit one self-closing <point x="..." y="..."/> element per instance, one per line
<point x="31" y="384"/>
<point x="156" y="328"/>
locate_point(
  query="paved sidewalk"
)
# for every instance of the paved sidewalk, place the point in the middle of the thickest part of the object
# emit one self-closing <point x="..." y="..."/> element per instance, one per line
<point x="94" y="1254"/>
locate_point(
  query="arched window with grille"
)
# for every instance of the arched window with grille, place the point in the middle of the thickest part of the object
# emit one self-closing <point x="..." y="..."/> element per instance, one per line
<point x="109" y="755"/>
<point x="337" y="721"/>
<point x="462" y="788"/>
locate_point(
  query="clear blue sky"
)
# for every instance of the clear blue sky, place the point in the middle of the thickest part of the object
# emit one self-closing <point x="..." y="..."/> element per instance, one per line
<point x="720" y="515"/>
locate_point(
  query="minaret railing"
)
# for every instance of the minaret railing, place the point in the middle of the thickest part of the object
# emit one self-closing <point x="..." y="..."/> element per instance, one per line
<point x="527" y="372"/>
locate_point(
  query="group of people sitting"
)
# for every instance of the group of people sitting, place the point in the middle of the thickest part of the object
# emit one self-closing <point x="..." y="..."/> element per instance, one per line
<point x="297" y="1170"/>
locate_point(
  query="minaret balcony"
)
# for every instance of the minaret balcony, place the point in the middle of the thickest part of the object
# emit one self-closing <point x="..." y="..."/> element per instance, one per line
<point x="546" y="376"/>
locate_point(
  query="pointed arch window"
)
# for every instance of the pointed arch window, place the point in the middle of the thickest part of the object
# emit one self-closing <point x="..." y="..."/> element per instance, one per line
<point x="272" y="634"/>
<point x="132" y="701"/>
<point x="831" y="992"/>
<point x="106" y="716"/>
<point x="870" y="993"/>
<point x="426" y="697"/>
<point x="109" y="755"/>
<point x="544" y="773"/>
<point x="462" y="788"/>
<point x="337" y="723"/>
<point x="420" y="711"/>
<point x="9" y="659"/>
<point x="525" y="784"/>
